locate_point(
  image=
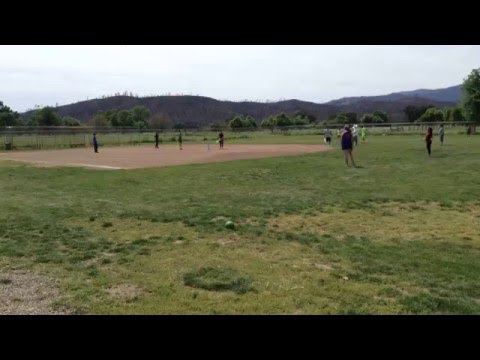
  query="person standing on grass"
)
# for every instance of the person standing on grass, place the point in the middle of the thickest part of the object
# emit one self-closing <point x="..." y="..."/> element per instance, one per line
<point x="328" y="136"/>
<point x="441" y="134"/>
<point x="156" y="140"/>
<point x="428" y="140"/>
<point x="180" y="139"/>
<point x="355" y="135"/>
<point x="347" y="146"/>
<point x="220" y="139"/>
<point x="95" y="143"/>
<point x="363" y="133"/>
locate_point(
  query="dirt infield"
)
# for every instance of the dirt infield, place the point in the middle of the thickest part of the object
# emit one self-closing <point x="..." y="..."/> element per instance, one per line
<point x="135" y="157"/>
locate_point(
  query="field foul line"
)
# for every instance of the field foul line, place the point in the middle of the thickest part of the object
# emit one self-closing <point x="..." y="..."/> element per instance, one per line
<point x="97" y="166"/>
<point x="33" y="162"/>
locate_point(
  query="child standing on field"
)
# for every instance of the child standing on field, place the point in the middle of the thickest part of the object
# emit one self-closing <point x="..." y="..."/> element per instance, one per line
<point x="428" y="140"/>
<point x="355" y="135"/>
<point x="363" y="133"/>
<point x="441" y="134"/>
<point x="180" y="139"/>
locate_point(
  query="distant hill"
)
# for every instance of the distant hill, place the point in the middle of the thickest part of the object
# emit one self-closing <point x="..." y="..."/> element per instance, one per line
<point x="451" y="94"/>
<point x="204" y="111"/>
<point x="193" y="109"/>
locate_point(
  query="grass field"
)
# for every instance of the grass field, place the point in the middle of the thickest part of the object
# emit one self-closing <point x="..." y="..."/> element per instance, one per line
<point x="399" y="235"/>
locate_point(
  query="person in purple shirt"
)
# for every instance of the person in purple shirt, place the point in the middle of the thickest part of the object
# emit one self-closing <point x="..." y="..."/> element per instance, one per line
<point x="347" y="146"/>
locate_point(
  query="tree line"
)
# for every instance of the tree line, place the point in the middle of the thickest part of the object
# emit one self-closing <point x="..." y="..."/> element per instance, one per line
<point x="141" y="117"/>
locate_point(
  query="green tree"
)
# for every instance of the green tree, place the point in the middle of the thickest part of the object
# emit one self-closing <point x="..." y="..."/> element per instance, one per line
<point x="366" y="119"/>
<point x="283" y="120"/>
<point x="377" y="119"/>
<point x="7" y="116"/>
<point x="305" y="115"/>
<point x="457" y="114"/>
<point x="447" y="114"/>
<point x="160" y="121"/>
<point x="432" y="115"/>
<point x="236" y="122"/>
<point x="471" y="96"/>
<point x="122" y="118"/>
<point x="414" y="112"/>
<point x="341" y="118"/>
<point x="300" y="120"/>
<point x="269" y="122"/>
<point x="70" y="121"/>
<point x="139" y="116"/>
<point x="382" y="115"/>
<point x="249" y="121"/>
<point x="46" y="117"/>
<point x="100" y="119"/>
<point x="352" y="117"/>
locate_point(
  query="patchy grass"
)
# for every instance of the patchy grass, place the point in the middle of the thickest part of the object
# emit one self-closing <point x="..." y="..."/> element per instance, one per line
<point x="218" y="279"/>
<point x="399" y="235"/>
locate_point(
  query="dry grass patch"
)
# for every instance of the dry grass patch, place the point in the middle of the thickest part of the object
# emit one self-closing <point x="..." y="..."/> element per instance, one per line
<point x="382" y="222"/>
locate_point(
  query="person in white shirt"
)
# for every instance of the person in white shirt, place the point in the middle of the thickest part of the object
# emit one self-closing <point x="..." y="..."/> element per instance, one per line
<point x="328" y="136"/>
<point x="355" y="135"/>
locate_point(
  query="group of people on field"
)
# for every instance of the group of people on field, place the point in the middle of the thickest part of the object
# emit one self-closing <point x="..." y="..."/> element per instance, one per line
<point x="348" y="138"/>
<point x="220" y="139"/>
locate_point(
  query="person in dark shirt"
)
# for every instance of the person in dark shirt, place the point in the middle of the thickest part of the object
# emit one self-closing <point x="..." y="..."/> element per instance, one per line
<point x="180" y="139"/>
<point x="156" y="140"/>
<point x="220" y="139"/>
<point x="95" y="143"/>
<point x="347" y="146"/>
<point x="428" y="140"/>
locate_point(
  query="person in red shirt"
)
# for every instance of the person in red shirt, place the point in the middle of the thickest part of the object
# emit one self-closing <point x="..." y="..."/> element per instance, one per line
<point x="428" y="140"/>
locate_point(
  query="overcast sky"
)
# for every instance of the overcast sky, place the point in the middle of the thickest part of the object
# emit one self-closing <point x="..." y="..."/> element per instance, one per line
<point x="47" y="75"/>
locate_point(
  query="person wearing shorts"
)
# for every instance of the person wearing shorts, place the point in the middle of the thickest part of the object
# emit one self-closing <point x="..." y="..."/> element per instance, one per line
<point x="328" y="136"/>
